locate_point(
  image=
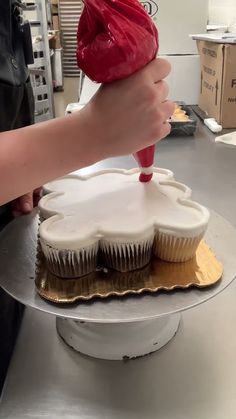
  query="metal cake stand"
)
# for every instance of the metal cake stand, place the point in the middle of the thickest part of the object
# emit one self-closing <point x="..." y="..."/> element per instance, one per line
<point x="114" y="328"/>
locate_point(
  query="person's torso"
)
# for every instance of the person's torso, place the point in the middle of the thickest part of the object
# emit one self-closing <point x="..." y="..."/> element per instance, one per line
<point x="16" y="98"/>
<point x="13" y="70"/>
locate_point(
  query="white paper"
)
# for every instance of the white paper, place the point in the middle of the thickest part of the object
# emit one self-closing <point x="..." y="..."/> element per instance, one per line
<point x="229" y="138"/>
<point x="220" y="38"/>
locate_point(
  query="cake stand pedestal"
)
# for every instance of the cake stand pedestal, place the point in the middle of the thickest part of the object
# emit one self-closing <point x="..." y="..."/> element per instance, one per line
<point x="118" y="341"/>
<point x="114" y="328"/>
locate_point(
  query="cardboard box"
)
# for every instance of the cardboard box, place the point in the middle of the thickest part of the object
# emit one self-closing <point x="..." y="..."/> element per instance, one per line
<point x="184" y="79"/>
<point x="55" y="41"/>
<point x="175" y="20"/>
<point x="218" y="82"/>
<point x="54" y="9"/>
<point x="55" y="22"/>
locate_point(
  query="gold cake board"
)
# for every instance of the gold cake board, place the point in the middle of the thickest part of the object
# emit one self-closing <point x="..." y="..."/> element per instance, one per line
<point x="202" y="271"/>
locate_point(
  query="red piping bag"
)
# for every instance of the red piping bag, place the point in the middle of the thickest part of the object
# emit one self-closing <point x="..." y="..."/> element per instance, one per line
<point x="145" y="160"/>
<point x="116" y="38"/>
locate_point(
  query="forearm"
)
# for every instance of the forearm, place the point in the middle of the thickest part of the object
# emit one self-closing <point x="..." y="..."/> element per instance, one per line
<point x="122" y="118"/>
<point x="31" y="156"/>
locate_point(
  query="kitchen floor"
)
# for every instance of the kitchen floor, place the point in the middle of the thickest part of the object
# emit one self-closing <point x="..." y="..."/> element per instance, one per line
<point x="68" y="95"/>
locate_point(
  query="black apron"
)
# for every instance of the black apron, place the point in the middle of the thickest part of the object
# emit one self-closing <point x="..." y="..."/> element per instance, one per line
<point x="16" y="110"/>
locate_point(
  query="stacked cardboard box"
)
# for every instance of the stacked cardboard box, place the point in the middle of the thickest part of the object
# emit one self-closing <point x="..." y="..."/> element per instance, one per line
<point x="55" y="15"/>
<point x="218" y="81"/>
<point x="55" y="44"/>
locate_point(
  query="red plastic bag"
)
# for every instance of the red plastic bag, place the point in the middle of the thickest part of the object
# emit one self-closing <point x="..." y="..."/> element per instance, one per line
<point x="115" y="39"/>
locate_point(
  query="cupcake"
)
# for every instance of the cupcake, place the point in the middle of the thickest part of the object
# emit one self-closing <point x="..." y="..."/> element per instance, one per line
<point x="65" y="255"/>
<point x="113" y="215"/>
<point x="171" y="248"/>
<point x="125" y="257"/>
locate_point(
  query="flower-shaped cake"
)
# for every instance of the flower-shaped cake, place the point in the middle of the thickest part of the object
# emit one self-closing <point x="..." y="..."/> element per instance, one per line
<point x="111" y="214"/>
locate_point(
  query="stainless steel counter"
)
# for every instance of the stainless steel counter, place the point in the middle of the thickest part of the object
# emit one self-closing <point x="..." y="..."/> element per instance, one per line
<point x="193" y="377"/>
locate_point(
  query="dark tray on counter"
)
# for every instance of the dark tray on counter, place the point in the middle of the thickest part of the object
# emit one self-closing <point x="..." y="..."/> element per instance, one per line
<point x="185" y="128"/>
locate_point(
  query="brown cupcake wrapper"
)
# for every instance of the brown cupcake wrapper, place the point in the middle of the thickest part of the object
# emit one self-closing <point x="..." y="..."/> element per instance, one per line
<point x="71" y="263"/>
<point x="175" y="249"/>
<point x="41" y="218"/>
<point x="126" y="257"/>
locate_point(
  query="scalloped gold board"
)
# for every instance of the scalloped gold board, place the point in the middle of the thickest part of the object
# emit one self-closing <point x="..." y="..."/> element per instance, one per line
<point x="202" y="271"/>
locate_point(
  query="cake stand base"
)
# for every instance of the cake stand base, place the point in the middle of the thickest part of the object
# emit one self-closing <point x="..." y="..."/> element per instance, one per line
<point x="118" y="341"/>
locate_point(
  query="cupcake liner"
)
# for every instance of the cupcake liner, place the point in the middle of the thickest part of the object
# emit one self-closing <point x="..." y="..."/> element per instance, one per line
<point x="175" y="249"/>
<point x="41" y="218"/>
<point x="126" y="257"/>
<point x="71" y="263"/>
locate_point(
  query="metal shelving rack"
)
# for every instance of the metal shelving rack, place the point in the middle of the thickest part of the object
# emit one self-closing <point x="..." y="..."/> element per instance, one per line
<point x="70" y="12"/>
<point x="40" y="71"/>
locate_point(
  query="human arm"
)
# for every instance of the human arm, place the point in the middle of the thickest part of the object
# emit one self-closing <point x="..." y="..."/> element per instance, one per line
<point x="122" y="117"/>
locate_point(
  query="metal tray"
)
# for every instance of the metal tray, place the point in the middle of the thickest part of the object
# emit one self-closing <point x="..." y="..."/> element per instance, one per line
<point x="186" y="128"/>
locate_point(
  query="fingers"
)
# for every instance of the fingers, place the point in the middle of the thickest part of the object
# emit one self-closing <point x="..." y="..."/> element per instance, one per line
<point x="161" y="131"/>
<point x="164" y="131"/>
<point x="167" y="108"/>
<point x="131" y="114"/>
<point x="161" y="128"/>
<point x="22" y="205"/>
<point x="37" y="196"/>
<point x="161" y="91"/>
<point x="163" y="112"/>
<point x="25" y="204"/>
<point x="157" y="69"/>
<point x="15" y="208"/>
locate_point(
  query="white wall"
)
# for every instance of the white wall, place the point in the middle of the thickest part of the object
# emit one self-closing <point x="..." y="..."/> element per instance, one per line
<point x="222" y="12"/>
<point x="175" y="20"/>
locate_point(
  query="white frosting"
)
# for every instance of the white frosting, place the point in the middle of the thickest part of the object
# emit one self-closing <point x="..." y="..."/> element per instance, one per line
<point x="147" y="170"/>
<point x="113" y="205"/>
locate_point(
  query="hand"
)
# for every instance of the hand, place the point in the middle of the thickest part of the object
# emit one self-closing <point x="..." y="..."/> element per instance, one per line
<point x="25" y="204"/>
<point x="122" y="118"/>
<point x="129" y="115"/>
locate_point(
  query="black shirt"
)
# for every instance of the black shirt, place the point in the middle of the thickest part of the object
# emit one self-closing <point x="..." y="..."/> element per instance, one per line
<point x="13" y="70"/>
<point x="16" y="110"/>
